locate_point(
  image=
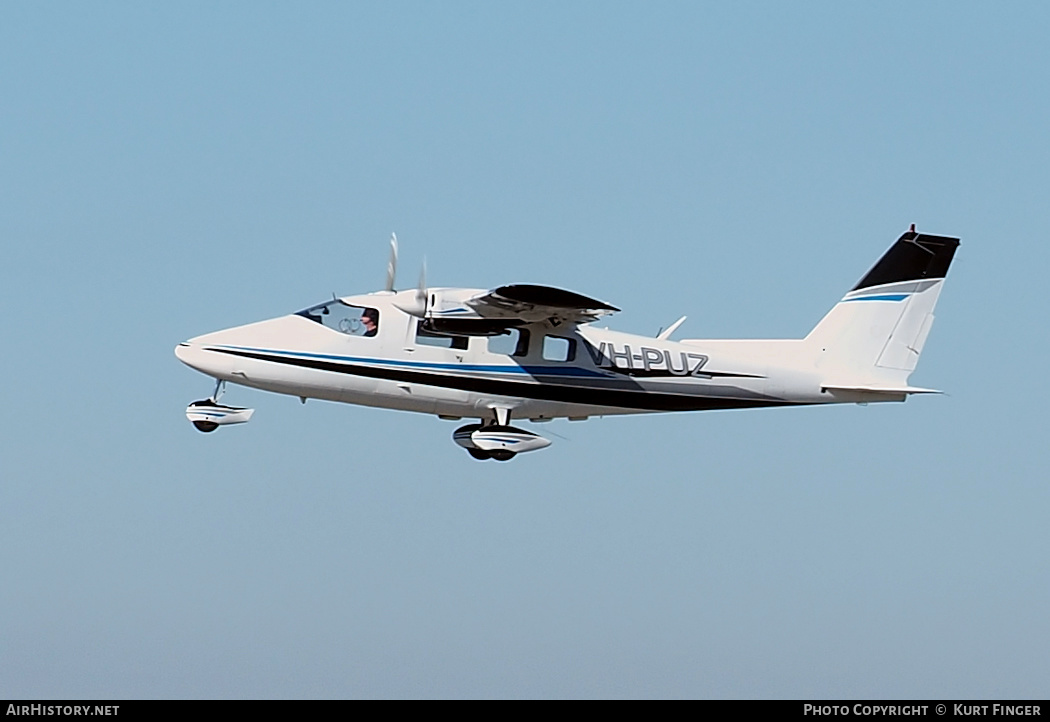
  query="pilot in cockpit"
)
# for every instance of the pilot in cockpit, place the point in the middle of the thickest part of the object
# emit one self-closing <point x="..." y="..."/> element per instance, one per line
<point x="370" y="320"/>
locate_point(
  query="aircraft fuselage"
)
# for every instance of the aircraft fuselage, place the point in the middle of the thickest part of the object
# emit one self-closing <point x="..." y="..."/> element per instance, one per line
<point x="573" y="372"/>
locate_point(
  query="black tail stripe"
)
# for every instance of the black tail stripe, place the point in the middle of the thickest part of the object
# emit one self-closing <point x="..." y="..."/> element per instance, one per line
<point x="913" y="257"/>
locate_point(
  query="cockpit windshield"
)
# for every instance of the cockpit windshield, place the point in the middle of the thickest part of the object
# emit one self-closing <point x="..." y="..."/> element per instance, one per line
<point x="344" y="318"/>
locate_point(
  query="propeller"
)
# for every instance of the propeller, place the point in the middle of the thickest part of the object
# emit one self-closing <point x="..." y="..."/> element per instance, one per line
<point x="391" y="266"/>
<point x="418" y="305"/>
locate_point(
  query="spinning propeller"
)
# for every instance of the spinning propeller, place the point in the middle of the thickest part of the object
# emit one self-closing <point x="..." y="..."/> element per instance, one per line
<point x="416" y="306"/>
<point x="391" y="265"/>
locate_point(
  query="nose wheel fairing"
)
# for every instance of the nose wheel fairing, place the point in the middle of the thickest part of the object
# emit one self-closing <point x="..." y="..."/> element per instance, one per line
<point x="208" y="414"/>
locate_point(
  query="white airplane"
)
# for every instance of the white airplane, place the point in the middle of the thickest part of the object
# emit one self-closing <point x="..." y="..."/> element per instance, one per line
<point x="532" y="352"/>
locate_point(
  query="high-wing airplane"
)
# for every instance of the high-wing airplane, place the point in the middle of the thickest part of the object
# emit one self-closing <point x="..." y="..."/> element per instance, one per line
<point x="528" y="352"/>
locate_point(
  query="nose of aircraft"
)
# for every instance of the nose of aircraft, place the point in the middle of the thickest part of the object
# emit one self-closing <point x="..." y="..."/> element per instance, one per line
<point x="203" y="352"/>
<point x="193" y="355"/>
<point x="200" y="352"/>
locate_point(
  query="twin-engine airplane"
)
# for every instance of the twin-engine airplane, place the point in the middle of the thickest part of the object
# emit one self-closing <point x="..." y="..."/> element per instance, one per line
<point x="531" y="352"/>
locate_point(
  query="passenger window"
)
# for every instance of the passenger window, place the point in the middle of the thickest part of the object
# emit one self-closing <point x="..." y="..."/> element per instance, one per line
<point x="556" y="348"/>
<point x="429" y="338"/>
<point x="512" y="342"/>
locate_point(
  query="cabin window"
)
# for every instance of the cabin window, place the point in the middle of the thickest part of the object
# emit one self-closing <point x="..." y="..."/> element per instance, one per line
<point x="426" y="337"/>
<point x="558" y="348"/>
<point x="344" y="318"/>
<point x="512" y="342"/>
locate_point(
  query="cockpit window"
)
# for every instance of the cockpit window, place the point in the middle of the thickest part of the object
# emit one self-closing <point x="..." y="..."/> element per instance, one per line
<point x="344" y="318"/>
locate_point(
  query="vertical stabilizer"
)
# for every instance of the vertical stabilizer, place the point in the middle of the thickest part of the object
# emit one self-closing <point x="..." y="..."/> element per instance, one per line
<point x="876" y="332"/>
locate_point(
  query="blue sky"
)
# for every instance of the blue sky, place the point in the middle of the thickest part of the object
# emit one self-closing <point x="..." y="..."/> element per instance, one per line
<point x="171" y="170"/>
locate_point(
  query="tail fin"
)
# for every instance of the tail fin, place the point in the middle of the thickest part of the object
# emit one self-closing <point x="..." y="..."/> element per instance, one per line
<point x="874" y="335"/>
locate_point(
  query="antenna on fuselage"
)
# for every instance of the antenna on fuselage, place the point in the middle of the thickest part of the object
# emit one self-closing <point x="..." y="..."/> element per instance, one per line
<point x="391" y="265"/>
<point x="664" y="335"/>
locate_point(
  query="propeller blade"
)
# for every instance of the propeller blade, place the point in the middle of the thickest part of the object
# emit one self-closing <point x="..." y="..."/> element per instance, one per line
<point x="421" y="290"/>
<point x="418" y="306"/>
<point x="391" y="266"/>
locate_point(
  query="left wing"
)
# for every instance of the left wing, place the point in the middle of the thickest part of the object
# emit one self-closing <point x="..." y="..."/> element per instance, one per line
<point x="530" y="303"/>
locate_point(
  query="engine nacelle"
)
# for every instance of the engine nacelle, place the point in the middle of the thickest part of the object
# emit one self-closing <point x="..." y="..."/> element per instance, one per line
<point x="497" y="441"/>
<point x="207" y="415"/>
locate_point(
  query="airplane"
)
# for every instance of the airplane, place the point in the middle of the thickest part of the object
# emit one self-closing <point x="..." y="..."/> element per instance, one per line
<point x="533" y="352"/>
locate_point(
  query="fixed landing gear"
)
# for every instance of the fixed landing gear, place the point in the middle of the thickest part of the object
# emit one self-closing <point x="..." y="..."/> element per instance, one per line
<point x="208" y="414"/>
<point x="499" y="440"/>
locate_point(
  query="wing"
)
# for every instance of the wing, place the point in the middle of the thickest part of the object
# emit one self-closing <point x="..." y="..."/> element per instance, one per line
<point x="529" y="303"/>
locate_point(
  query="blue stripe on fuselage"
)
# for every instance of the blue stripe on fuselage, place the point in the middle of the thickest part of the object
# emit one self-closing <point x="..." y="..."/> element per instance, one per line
<point x="488" y="368"/>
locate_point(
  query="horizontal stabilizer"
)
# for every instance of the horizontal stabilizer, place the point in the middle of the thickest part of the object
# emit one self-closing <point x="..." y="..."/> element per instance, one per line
<point x="872" y="389"/>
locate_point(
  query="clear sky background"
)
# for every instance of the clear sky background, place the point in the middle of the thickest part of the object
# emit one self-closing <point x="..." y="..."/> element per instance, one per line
<point x="172" y="169"/>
